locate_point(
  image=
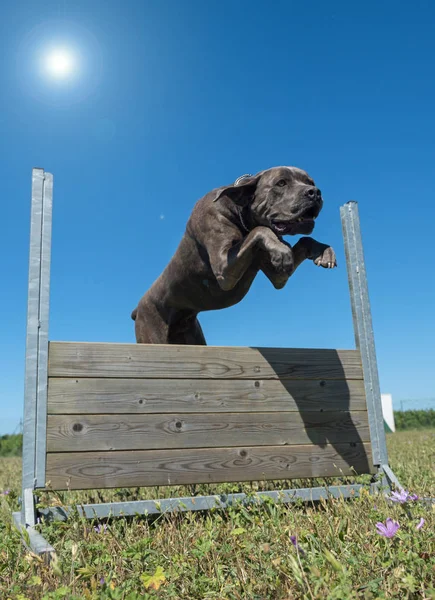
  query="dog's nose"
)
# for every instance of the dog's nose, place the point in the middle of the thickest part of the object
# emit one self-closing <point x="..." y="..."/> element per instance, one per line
<point x="314" y="194"/>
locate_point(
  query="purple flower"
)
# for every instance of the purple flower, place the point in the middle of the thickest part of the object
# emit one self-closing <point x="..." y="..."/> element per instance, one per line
<point x="102" y="581"/>
<point x="100" y="528"/>
<point x="294" y="541"/>
<point x="420" y="523"/>
<point x="389" y="529"/>
<point x="402" y="497"/>
<point x="6" y="492"/>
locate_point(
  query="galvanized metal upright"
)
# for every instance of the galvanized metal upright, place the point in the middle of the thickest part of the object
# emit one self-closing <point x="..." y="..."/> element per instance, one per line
<point x="363" y="327"/>
<point x="35" y="388"/>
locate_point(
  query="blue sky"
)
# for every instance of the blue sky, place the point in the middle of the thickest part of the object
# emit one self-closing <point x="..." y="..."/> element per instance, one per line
<point x="171" y="99"/>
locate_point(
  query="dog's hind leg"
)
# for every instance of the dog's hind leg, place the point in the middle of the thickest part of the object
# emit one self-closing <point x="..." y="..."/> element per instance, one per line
<point x="196" y="335"/>
<point x="150" y="326"/>
<point x="188" y="332"/>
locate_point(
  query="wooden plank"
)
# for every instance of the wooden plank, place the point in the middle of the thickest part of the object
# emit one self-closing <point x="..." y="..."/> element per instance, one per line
<point x="88" y="470"/>
<point x="116" y="396"/>
<point x="66" y="433"/>
<point x="80" y="359"/>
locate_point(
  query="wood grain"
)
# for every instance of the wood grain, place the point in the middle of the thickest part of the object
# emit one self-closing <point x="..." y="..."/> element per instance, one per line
<point x="145" y="396"/>
<point x="88" y="470"/>
<point x="80" y="359"/>
<point x="67" y="433"/>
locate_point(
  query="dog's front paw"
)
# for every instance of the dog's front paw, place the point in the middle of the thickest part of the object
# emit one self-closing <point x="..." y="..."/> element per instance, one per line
<point x="281" y="258"/>
<point x="325" y="258"/>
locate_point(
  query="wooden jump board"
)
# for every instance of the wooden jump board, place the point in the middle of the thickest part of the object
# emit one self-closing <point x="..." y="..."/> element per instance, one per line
<point x="122" y="415"/>
<point x="72" y="359"/>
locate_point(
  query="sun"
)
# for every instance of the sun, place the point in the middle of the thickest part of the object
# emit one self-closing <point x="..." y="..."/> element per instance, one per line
<point x="60" y="63"/>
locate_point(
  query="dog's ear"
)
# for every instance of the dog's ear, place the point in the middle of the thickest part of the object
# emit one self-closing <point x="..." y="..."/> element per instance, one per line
<point x="241" y="192"/>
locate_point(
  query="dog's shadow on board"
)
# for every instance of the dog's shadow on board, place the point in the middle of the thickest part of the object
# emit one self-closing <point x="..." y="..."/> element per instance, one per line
<point x="328" y="392"/>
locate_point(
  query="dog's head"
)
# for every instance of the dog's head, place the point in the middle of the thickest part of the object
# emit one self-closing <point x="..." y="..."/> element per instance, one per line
<point x="285" y="199"/>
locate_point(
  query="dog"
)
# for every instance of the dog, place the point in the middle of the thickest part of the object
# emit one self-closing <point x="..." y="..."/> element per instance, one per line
<point x="233" y="232"/>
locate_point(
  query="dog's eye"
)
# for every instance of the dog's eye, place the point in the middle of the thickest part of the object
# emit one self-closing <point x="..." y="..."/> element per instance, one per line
<point x="281" y="183"/>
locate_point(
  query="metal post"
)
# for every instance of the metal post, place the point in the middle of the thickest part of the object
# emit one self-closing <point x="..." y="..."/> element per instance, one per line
<point x="35" y="387"/>
<point x="362" y="322"/>
<point x="41" y="415"/>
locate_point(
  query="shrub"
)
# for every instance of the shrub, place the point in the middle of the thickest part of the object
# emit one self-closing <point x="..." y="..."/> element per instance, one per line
<point x="11" y="445"/>
<point x="414" y="419"/>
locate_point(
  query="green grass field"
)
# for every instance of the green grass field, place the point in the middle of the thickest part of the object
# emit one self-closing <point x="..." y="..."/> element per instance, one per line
<point x="236" y="554"/>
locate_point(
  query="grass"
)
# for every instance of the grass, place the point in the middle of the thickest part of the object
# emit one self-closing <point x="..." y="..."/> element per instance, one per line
<point x="246" y="554"/>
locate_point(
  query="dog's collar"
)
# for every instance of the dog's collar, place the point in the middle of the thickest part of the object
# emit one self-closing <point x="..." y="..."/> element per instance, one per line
<point x="241" y="178"/>
<point x="239" y="210"/>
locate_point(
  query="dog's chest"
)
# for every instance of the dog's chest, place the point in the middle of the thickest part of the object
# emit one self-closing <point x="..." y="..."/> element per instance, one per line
<point x="215" y="297"/>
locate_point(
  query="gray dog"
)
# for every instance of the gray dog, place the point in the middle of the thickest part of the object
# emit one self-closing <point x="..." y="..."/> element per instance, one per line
<point x="233" y="232"/>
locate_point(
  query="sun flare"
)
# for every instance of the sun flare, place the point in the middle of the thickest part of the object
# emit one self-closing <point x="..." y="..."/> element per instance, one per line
<point x="60" y="63"/>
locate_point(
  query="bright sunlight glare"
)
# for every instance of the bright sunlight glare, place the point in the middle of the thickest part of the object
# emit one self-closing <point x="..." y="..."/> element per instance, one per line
<point x="60" y="63"/>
